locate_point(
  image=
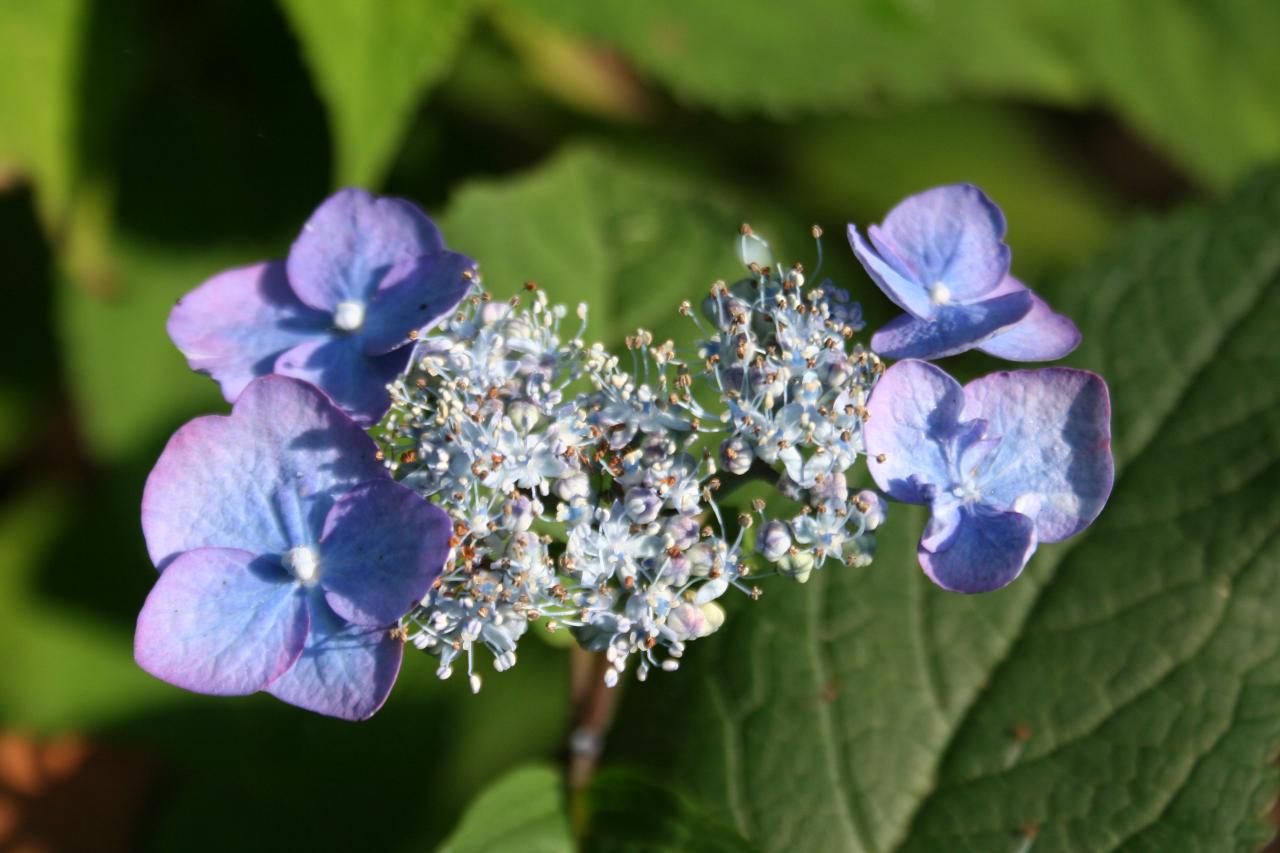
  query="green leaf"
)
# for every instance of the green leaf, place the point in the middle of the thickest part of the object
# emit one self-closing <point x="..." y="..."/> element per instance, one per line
<point x="587" y="227"/>
<point x="62" y="668"/>
<point x="1197" y="77"/>
<point x="371" y="64"/>
<point x="1124" y="693"/>
<point x="628" y="812"/>
<point x="129" y="384"/>
<point x="523" y="812"/>
<point x="39" y="62"/>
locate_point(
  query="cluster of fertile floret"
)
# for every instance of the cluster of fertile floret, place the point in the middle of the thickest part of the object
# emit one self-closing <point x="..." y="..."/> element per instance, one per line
<point x="537" y="443"/>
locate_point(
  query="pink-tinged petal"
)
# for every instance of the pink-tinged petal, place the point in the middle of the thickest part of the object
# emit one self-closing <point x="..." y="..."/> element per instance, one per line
<point x="383" y="545"/>
<point x="1054" y="456"/>
<point x="235" y="325"/>
<point x="413" y="296"/>
<point x="888" y="273"/>
<point x="1042" y="335"/>
<point x="912" y="416"/>
<point x="261" y="479"/>
<point x="221" y="621"/>
<point x="355" y="381"/>
<point x="351" y="241"/>
<point x="985" y="549"/>
<point x="344" y="671"/>
<point x="952" y="329"/>
<point x="952" y="235"/>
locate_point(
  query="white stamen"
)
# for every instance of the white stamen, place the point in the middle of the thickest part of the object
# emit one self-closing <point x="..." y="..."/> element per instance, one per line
<point x="939" y="294"/>
<point x="349" y="315"/>
<point x="302" y="563"/>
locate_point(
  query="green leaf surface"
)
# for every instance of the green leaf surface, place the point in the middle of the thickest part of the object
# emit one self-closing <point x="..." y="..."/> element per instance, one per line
<point x="589" y="228"/>
<point x="371" y="63"/>
<point x="1197" y="77"/>
<point x="39" y="62"/>
<point x="523" y="812"/>
<point x="63" y="668"/>
<point x="628" y="812"/>
<point x="129" y="383"/>
<point x="1123" y="694"/>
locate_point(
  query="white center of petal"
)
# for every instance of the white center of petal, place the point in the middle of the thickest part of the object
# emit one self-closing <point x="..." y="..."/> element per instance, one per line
<point x="967" y="491"/>
<point x="349" y="315"/>
<point x="939" y="294"/>
<point x="302" y="563"/>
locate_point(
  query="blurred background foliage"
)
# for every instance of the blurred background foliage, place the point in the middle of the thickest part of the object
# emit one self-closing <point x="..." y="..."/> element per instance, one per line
<point x="607" y="150"/>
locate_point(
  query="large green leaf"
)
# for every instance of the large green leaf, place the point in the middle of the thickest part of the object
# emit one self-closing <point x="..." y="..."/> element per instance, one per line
<point x="1195" y="75"/>
<point x="372" y="62"/>
<point x="589" y="228"/>
<point x="63" y="667"/>
<point x="130" y="385"/>
<point x="39" y="57"/>
<point x="523" y="812"/>
<point x="628" y="812"/>
<point x="1124" y="693"/>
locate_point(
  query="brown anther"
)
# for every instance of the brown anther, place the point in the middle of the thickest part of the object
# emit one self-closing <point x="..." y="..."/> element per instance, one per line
<point x="399" y="632"/>
<point x="408" y="457"/>
<point x="880" y="457"/>
<point x="413" y="334"/>
<point x="816" y="231"/>
<point x="531" y="286"/>
<point x="469" y="274"/>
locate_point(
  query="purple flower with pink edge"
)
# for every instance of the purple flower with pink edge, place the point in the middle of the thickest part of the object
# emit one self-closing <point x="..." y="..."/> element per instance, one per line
<point x="286" y="555"/>
<point x="1006" y="462"/>
<point x="364" y="275"/>
<point x="941" y="257"/>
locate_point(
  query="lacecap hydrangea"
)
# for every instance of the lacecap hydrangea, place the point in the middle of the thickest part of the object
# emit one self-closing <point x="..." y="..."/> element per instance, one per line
<point x="411" y="461"/>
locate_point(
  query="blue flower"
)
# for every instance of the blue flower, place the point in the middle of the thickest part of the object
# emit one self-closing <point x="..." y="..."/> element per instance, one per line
<point x="941" y="257"/>
<point x="362" y="277"/>
<point x="287" y="555"/>
<point x="1005" y="462"/>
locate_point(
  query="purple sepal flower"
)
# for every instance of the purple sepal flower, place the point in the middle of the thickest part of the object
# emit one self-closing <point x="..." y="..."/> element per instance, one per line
<point x="1004" y="463"/>
<point x="286" y="554"/>
<point x="941" y="257"/>
<point x="364" y="274"/>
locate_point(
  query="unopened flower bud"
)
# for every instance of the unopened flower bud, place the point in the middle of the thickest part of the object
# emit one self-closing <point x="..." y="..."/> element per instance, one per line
<point x="524" y="416"/>
<point x="642" y="504"/>
<point x="875" y="508"/>
<point x="518" y="513"/>
<point x="829" y="489"/>
<point x="774" y="541"/>
<point x="736" y="455"/>
<point x="683" y="531"/>
<point x="798" y="565"/>
<point x="573" y="486"/>
<point x="859" y="550"/>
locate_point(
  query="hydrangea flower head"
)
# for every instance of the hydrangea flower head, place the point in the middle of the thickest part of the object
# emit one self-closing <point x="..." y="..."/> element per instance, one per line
<point x="287" y="555"/>
<point x="941" y="257"/>
<point x="1005" y="462"/>
<point x="363" y="277"/>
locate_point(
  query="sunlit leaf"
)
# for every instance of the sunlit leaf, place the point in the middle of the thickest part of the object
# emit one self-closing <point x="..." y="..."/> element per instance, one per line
<point x="372" y="62"/>
<point x="1122" y="693"/>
